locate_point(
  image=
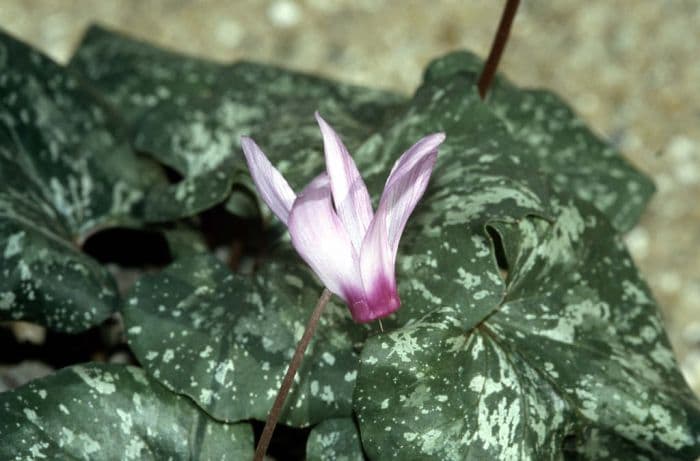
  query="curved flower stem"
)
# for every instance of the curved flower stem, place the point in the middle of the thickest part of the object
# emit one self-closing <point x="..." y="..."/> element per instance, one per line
<point x="499" y="44"/>
<point x="289" y="377"/>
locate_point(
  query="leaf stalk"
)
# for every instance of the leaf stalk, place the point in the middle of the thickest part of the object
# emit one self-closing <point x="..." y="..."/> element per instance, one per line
<point x="497" y="47"/>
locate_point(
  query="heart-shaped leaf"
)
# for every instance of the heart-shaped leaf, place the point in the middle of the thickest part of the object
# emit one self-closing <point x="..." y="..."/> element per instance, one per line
<point x="433" y="390"/>
<point x="66" y="171"/>
<point x="480" y="166"/>
<point x="334" y="440"/>
<point x="225" y="340"/>
<point x="564" y="351"/>
<point x="575" y="159"/>
<point x="136" y="76"/>
<point x="112" y="412"/>
<point x="482" y="174"/>
<point x="190" y="113"/>
<point x="444" y="258"/>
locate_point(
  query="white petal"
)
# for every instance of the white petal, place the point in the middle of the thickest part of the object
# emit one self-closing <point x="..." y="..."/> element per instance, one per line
<point x="405" y="186"/>
<point x="273" y="188"/>
<point x="319" y="237"/>
<point x="350" y="194"/>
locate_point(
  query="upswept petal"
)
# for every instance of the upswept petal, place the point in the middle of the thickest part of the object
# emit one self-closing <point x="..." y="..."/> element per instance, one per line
<point x="351" y="250"/>
<point x="319" y="237"/>
<point x="377" y="271"/>
<point x="414" y="154"/>
<point x="350" y="194"/>
<point x="405" y="186"/>
<point x="273" y="188"/>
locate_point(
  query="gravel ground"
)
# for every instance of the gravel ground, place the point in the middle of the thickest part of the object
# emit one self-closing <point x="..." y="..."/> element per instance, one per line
<point x="632" y="76"/>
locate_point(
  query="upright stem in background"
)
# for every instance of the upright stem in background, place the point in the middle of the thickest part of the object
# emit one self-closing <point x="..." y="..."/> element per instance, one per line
<point x="499" y="44"/>
<point x="289" y="377"/>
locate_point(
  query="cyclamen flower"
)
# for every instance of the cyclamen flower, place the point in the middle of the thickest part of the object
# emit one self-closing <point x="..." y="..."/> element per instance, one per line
<point x="331" y="223"/>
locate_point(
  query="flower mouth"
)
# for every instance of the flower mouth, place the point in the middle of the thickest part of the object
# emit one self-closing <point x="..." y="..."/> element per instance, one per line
<point x="381" y="301"/>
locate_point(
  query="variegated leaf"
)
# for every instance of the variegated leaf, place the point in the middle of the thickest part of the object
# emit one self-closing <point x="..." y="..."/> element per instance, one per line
<point x="479" y="174"/>
<point x="563" y="351"/>
<point x="66" y="172"/>
<point x="575" y="159"/>
<point x="190" y="113"/>
<point x="225" y="340"/>
<point x="334" y="440"/>
<point x="112" y="412"/>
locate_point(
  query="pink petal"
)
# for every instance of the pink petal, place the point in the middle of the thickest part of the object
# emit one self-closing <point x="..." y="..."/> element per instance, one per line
<point x="405" y="186"/>
<point x="273" y="188"/>
<point x="377" y="270"/>
<point x="320" y="239"/>
<point x="350" y="194"/>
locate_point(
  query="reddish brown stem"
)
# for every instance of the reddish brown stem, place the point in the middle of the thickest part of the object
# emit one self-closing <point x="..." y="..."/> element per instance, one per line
<point x="499" y="44"/>
<point x="234" y="256"/>
<point x="289" y="377"/>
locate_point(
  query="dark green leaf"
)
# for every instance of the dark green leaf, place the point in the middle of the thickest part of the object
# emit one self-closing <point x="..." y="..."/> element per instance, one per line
<point x="564" y="350"/>
<point x="604" y="446"/>
<point x="575" y="159"/>
<point x="434" y="390"/>
<point x="480" y="167"/>
<point x="185" y="240"/>
<point x="411" y="398"/>
<point x="225" y="340"/>
<point x="444" y="258"/>
<point x="65" y="173"/>
<point x="575" y="296"/>
<point x="243" y="201"/>
<point x="334" y="440"/>
<point x="190" y="113"/>
<point x="112" y="412"/>
<point x="137" y="76"/>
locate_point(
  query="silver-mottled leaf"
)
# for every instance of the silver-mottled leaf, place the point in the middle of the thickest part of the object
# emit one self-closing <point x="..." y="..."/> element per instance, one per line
<point x="112" y="412"/>
<point x="190" y="113"/>
<point x="444" y="257"/>
<point x="435" y="390"/>
<point x="136" y="76"/>
<point x="225" y="340"/>
<point x="334" y="440"/>
<point x="574" y="158"/>
<point x="576" y="304"/>
<point x="565" y="352"/>
<point x="480" y="167"/>
<point x="66" y="171"/>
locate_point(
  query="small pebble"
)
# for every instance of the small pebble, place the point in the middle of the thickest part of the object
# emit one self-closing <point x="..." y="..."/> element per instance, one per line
<point x="638" y="242"/>
<point x="229" y="33"/>
<point x="13" y="376"/>
<point x="284" y="13"/>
